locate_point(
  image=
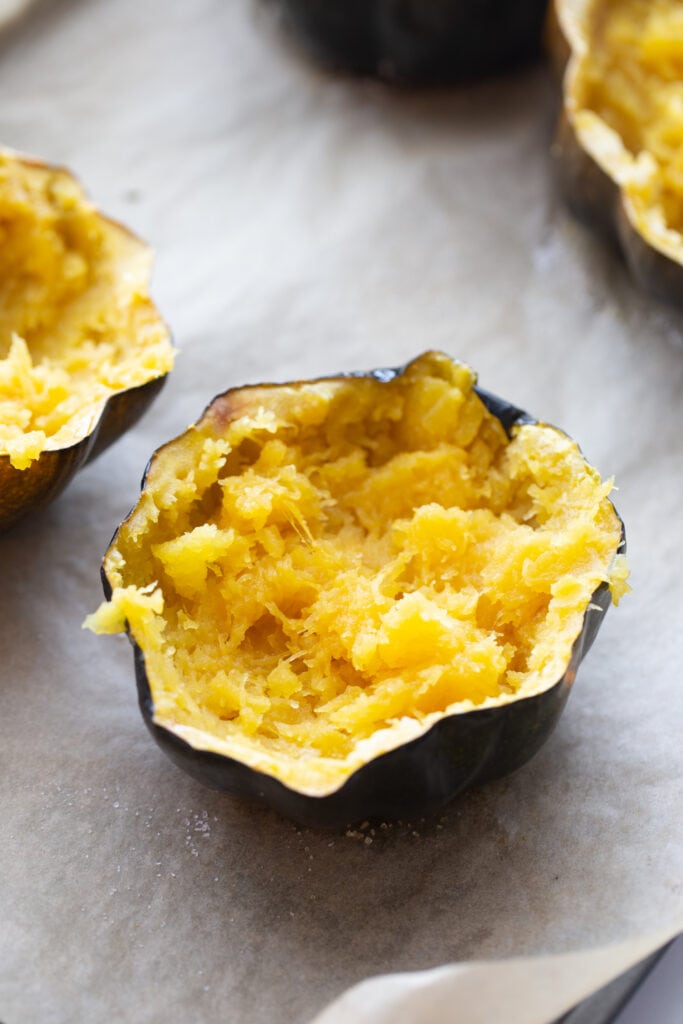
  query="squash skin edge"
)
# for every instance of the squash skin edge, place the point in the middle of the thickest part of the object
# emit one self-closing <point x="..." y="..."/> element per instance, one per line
<point x="23" y="491"/>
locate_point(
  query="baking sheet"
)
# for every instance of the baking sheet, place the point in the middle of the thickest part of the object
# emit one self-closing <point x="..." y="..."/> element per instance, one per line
<point x="304" y="225"/>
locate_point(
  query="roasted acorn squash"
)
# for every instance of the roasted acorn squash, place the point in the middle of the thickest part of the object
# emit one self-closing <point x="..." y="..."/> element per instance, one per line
<point x="357" y="596"/>
<point x="619" y="146"/>
<point x="418" y="40"/>
<point x="83" y="350"/>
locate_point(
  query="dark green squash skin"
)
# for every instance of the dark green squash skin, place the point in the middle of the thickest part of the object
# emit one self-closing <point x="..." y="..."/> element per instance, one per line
<point x="24" y="490"/>
<point x="458" y="752"/>
<point x="418" y="41"/>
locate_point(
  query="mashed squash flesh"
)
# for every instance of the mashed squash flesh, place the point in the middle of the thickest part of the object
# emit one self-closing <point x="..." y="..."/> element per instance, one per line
<point x="316" y="573"/>
<point x="76" y="322"/>
<point x="629" y="108"/>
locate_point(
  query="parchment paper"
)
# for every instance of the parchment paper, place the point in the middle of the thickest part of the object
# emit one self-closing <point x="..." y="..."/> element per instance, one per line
<point x="10" y="9"/>
<point x="305" y="225"/>
<point x="527" y="990"/>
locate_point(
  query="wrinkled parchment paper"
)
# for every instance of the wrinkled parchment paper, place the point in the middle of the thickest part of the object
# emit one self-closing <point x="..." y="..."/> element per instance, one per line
<point x="305" y="225"/>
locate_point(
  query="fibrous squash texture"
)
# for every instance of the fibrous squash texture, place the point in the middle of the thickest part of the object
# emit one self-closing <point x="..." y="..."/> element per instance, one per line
<point x="630" y="79"/>
<point x="317" y="572"/>
<point x="76" y="322"/>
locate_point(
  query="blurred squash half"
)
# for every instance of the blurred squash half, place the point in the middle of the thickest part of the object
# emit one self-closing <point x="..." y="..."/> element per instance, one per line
<point x="83" y="349"/>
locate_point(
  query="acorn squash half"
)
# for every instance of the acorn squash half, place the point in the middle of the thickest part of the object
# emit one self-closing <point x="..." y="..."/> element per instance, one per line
<point x="417" y="41"/>
<point x="83" y="350"/>
<point x="354" y="597"/>
<point x="619" y="145"/>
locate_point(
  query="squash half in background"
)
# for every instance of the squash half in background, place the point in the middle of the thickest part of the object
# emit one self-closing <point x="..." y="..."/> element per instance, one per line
<point x="619" y="147"/>
<point x="83" y="350"/>
<point x="416" y="41"/>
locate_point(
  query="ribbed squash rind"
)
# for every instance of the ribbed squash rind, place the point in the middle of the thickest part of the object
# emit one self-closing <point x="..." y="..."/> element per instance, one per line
<point x="456" y="753"/>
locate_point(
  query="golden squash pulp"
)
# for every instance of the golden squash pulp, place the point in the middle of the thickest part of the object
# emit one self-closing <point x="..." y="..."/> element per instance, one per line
<point x="625" y="101"/>
<point x="76" y="322"/>
<point x="317" y="572"/>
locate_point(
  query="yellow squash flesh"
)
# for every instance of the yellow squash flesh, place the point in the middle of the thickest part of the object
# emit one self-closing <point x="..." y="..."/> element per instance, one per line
<point x="317" y="572"/>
